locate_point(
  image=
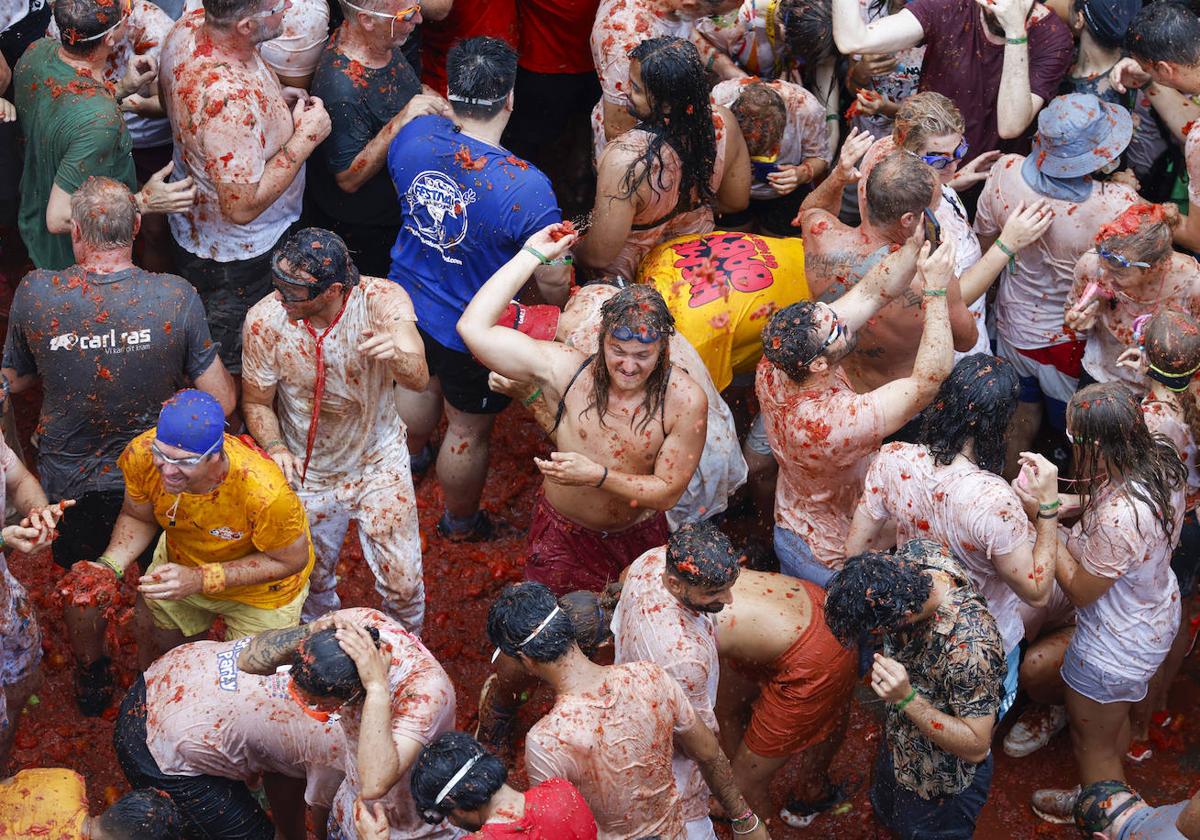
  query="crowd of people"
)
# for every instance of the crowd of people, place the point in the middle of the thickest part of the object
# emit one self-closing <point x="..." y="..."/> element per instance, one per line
<point x="862" y="335"/>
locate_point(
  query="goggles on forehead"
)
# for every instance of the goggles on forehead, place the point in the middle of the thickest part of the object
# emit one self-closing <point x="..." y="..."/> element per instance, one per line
<point x="642" y="335"/>
<point x="126" y="10"/>
<point x="290" y="283"/>
<point x="940" y="160"/>
<point x="404" y="15"/>
<point x="189" y="461"/>
<point x="1119" y="260"/>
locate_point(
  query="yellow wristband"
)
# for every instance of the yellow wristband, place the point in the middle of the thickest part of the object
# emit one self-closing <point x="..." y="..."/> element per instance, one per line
<point x="212" y="576"/>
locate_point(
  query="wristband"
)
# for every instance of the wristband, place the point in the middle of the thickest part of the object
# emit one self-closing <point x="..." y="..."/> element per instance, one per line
<point x="532" y="398"/>
<point x="744" y="817"/>
<point x="1024" y="39"/>
<point x="2" y="542"/>
<point x="935" y="293"/>
<point x="112" y="564"/>
<point x="540" y="256"/>
<point x="751" y="829"/>
<point x="712" y="59"/>
<point x="1008" y="252"/>
<point x="212" y="577"/>
<point x="900" y="706"/>
<point x="267" y="446"/>
<point x="1048" y="514"/>
<point x="603" y="478"/>
<point x="831" y="117"/>
<point x="1051" y="505"/>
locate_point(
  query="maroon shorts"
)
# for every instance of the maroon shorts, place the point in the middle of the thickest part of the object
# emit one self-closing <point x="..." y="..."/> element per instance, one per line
<point x="566" y="556"/>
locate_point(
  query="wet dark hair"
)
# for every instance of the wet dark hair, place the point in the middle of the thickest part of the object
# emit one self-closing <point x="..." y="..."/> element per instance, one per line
<point x="762" y="116"/>
<point x="482" y="69"/>
<point x="792" y="336"/>
<point x="518" y="611"/>
<point x="322" y="254"/>
<point x="975" y="403"/>
<point x="1108" y="427"/>
<point x="641" y="309"/>
<point x="145" y="814"/>
<point x="1171" y="341"/>
<point x="1165" y="31"/>
<point x="900" y="183"/>
<point x="700" y="554"/>
<point x="323" y="669"/>
<point x="677" y="89"/>
<point x="808" y="37"/>
<point x="876" y="591"/>
<point x="590" y="617"/>
<point x="83" y="19"/>
<point x="437" y="764"/>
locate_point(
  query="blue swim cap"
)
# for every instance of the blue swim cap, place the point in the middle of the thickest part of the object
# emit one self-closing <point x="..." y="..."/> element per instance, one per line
<point x="191" y="420"/>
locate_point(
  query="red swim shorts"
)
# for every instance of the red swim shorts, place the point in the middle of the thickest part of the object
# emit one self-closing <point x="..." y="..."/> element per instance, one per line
<point x="806" y="691"/>
<point x="566" y="556"/>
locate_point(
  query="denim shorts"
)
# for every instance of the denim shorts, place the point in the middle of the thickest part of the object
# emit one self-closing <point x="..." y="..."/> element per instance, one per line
<point x="912" y="818"/>
<point x="1096" y="684"/>
<point x="797" y="560"/>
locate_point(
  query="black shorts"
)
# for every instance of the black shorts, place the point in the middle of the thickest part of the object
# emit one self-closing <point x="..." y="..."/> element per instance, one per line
<point x="773" y="215"/>
<point x="544" y="105"/>
<point x="212" y="808"/>
<point x="227" y="290"/>
<point x="463" y="380"/>
<point x="85" y="529"/>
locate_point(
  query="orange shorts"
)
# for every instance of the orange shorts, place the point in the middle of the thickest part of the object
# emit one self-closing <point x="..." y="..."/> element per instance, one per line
<point x="806" y="691"/>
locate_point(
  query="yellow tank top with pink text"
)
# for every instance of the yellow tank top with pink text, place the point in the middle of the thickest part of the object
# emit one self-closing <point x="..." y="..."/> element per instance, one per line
<point x="722" y="289"/>
<point x="252" y="510"/>
<point x="49" y="803"/>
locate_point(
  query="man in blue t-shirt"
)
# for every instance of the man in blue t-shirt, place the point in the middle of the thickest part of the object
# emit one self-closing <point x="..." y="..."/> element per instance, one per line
<point x="467" y="206"/>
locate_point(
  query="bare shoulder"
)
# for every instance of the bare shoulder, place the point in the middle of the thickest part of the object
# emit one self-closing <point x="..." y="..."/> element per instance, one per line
<point x="685" y="397"/>
<point x="820" y="228"/>
<point x="561" y="363"/>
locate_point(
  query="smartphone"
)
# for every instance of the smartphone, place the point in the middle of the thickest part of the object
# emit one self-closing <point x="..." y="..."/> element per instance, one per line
<point x="762" y="168"/>
<point x="933" y="231"/>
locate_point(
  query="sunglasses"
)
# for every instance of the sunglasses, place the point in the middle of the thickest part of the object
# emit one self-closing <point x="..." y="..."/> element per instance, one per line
<point x="189" y="461"/>
<point x="278" y="9"/>
<point x="287" y="286"/>
<point x="839" y="330"/>
<point x="642" y="335"/>
<point x="940" y="160"/>
<point x="404" y="15"/>
<point x="1119" y="260"/>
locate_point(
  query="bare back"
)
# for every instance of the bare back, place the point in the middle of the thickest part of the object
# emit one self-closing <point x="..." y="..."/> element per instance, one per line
<point x="769" y="613"/>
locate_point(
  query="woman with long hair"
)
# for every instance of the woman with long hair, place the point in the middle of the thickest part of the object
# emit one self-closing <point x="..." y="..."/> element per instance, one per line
<point x="1168" y="359"/>
<point x="1116" y="571"/>
<point x="1133" y="271"/>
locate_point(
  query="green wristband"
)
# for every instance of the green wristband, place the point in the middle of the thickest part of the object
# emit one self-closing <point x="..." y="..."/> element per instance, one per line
<point x="532" y="398"/>
<point x="112" y="564"/>
<point x="1024" y="39"/>
<point x="267" y="446"/>
<point x="900" y="706"/>
<point x="1055" y="505"/>
<point x="1008" y="252"/>
<point x="935" y="293"/>
<point x="540" y="256"/>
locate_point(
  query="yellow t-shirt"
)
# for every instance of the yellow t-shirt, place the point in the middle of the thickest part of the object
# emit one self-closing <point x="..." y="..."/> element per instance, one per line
<point x="252" y="510"/>
<point x="722" y="289"/>
<point x="45" y="803"/>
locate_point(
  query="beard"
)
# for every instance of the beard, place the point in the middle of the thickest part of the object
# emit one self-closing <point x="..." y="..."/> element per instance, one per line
<point x="712" y="609"/>
<point x="263" y="32"/>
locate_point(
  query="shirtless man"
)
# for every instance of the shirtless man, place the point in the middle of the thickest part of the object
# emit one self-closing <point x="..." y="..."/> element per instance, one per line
<point x="340" y="440"/>
<point x="900" y="189"/>
<point x="196" y="728"/>
<point x="721" y="470"/>
<point x="642" y="711"/>
<point x="821" y="432"/>
<point x="783" y="668"/>
<point x="665" y="616"/>
<point x="243" y="139"/>
<point x="392" y="697"/>
<point x="662" y="179"/>
<point x="630" y="427"/>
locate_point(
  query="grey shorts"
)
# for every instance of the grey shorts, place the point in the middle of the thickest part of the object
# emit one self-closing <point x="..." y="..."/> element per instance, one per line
<point x="1097" y="684"/>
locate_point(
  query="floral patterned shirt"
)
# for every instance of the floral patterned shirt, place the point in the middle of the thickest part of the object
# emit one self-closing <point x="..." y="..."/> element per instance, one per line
<point x="955" y="660"/>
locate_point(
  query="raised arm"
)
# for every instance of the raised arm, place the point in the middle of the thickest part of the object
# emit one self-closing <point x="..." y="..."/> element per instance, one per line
<point x="885" y="35"/>
<point x="901" y="399"/>
<point x="1016" y="105"/>
<point x="1029" y="571"/>
<point x="828" y="195"/>
<point x="506" y="351"/>
<point x="269" y="650"/>
<point x="1025" y="226"/>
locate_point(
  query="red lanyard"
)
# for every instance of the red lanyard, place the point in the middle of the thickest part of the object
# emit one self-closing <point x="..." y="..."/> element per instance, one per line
<point x="319" y="389"/>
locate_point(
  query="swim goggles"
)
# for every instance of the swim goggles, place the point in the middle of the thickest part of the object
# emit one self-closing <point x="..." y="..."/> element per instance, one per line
<point x="1119" y="260"/>
<point x="405" y="15"/>
<point x="642" y="335"/>
<point x="190" y="460"/>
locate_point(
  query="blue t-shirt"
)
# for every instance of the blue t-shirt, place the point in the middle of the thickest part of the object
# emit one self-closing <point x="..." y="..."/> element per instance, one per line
<point x="467" y="208"/>
<point x="1154" y="824"/>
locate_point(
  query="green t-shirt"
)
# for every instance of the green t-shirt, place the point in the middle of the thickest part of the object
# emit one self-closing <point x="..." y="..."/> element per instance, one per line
<point x="73" y="130"/>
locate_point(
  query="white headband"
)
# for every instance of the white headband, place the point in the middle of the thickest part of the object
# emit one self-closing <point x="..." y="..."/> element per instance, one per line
<point x="533" y="635"/>
<point x="456" y="778"/>
<point x="466" y="100"/>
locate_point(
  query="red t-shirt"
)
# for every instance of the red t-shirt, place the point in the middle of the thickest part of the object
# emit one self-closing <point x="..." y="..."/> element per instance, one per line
<point x="963" y="65"/>
<point x="467" y="19"/>
<point x="554" y="810"/>
<point x="555" y="35"/>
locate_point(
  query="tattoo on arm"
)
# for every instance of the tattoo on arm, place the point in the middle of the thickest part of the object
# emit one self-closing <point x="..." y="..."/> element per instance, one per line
<point x="267" y="651"/>
<point x="719" y="777"/>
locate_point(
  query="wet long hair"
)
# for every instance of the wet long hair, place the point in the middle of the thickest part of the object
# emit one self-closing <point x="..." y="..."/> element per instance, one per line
<point x="808" y="38"/>
<point x="643" y="310"/>
<point x="1108" y="430"/>
<point x="975" y="403"/>
<point x="1171" y="343"/>
<point x="677" y="89"/>
<point x="876" y="591"/>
